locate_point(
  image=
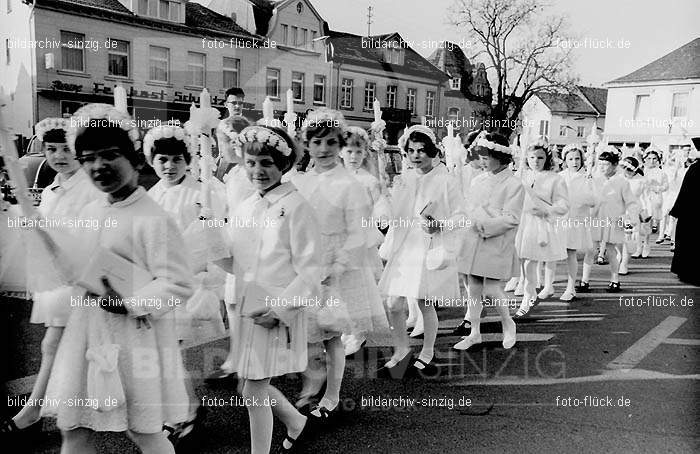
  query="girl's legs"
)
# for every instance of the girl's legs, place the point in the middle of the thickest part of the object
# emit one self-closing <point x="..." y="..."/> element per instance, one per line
<point x="29" y="414"/>
<point x="335" y="367"/>
<point x="624" y="258"/>
<point x="476" y="286"/>
<point x="646" y="247"/>
<point x="663" y="226"/>
<point x="314" y="376"/>
<point x="520" y="287"/>
<point x="154" y="443"/>
<point x="530" y="292"/>
<point x="430" y="322"/>
<point x="614" y="264"/>
<point x="419" y="327"/>
<point x="539" y="274"/>
<point x="492" y="288"/>
<point x="285" y="411"/>
<point x="511" y="285"/>
<point x="587" y="265"/>
<point x="77" y="441"/>
<point x="413" y="313"/>
<point x="397" y="321"/>
<point x="260" y="417"/>
<point x="550" y="269"/>
<point x="571" y="270"/>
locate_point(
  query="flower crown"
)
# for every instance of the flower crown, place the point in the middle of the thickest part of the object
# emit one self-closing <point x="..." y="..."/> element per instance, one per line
<point x="264" y="136"/>
<point x="49" y="124"/>
<point x="416" y="128"/>
<point x="571" y="147"/>
<point x="101" y="114"/>
<point x="163" y="132"/>
<point x="483" y="142"/>
<point x="323" y="116"/>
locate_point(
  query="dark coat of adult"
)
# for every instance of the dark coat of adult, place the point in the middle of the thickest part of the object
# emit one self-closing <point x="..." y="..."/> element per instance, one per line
<point x="686" y="257"/>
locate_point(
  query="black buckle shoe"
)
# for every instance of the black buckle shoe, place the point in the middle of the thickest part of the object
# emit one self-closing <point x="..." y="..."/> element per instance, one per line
<point x="613" y="287"/>
<point x="583" y="287"/>
<point x="463" y="329"/>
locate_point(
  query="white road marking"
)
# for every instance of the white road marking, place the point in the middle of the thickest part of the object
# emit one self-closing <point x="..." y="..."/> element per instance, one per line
<point x="640" y="349"/>
<point x="571" y="319"/>
<point x="677" y="341"/>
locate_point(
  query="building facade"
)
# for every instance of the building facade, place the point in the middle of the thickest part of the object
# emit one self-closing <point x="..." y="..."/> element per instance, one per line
<point x="659" y="104"/>
<point x="466" y="95"/>
<point x="564" y="118"/>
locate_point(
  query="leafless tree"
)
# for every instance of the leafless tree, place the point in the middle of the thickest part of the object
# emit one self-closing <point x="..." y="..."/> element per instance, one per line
<point x="523" y="46"/>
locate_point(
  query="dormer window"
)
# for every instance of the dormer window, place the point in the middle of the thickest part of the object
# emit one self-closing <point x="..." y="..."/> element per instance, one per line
<point x="160" y="9"/>
<point x="393" y="56"/>
<point x="456" y="83"/>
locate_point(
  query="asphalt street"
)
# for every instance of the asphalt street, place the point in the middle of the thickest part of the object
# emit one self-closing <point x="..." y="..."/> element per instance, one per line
<point x="603" y="373"/>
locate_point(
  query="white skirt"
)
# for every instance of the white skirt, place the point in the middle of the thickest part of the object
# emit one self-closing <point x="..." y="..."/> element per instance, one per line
<point x="539" y="239"/>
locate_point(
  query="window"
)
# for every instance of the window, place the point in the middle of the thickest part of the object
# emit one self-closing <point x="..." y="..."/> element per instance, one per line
<point x="430" y="103"/>
<point x="72" y="59"/>
<point x="231" y="70"/>
<point x="118" y="58"/>
<point x="196" y="68"/>
<point x="453" y="114"/>
<point x="273" y="83"/>
<point x="641" y="107"/>
<point x="7" y="51"/>
<point x="411" y="100"/>
<point x="298" y="86"/>
<point x="370" y="90"/>
<point x="580" y="130"/>
<point x="456" y="83"/>
<point x="346" y="94"/>
<point x="9" y="6"/>
<point x="304" y="32"/>
<point x="285" y="33"/>
<point x="679" y="105"/>
<point x="544" y="128"/>
<point x="391" y="96"/>
<point x="562" y="130"/>
<point x="392" y="56"/>
<point x="159" y="63"/>
<point x="300" y="8"/>
<point x="294" y="36"/>
<point x="319" y="89"/>
<point x="160" y="9"/>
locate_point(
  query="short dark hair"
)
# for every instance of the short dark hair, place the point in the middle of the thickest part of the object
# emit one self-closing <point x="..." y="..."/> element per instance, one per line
<point x="323" y="129"/>
<point x="98" y="137"/>
<point x="171" y="147"/>
<point x="282" y="162"/>
<point x="55" y="136"/>
<point x="235" y="91"/>
<point x="503" y="158"/>
<point x="428" y="146"/>
<point x="612" y="158"/>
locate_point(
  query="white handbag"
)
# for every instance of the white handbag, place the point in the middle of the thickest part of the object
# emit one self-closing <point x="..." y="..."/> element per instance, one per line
<point x="104" y="385"/>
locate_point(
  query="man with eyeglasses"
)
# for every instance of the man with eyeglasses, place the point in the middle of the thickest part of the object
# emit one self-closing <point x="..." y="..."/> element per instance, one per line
<point x="234" y="104"/>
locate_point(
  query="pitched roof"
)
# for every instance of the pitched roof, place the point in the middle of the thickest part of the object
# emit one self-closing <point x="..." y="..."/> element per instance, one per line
<point x="598" y="97"/>
<point x="451" y="59"/>
<point x="682" y="63"/>
<point x="198" y="19"/>
<point x="347" y="47"/>
<point x="564" y="102"/>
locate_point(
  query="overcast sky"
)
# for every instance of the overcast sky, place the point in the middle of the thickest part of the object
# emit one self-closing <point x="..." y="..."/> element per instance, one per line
<point x="652" y="27"/>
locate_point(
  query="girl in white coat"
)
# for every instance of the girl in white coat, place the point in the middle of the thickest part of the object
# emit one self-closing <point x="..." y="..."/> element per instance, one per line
<point x="276" y="261"/>
<point x="657" y="185"/>
<point x="63" y="199"/>
<point x="340" y="205"/>
<point x="540" y="233"/>
<point x="579" y="184"/>
<point x="640" y="222"/>
<point x="427" y="206"/>
<point x="493" y="209"/>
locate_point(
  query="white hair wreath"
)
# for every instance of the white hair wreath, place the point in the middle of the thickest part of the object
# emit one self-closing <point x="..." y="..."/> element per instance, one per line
<point x="417" y="128"/>
<point x="49" y="124"/>
<point x="266" y="137"/>
<point x="163" y="132"/>
<point x="101" y="114"/>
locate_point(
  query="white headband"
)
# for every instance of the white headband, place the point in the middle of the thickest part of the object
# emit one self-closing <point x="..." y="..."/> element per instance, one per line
<point x="482" y="142"/>
<point x="49" y="124"/>
<point x="266" y="137"/>
<point x="416" y="128"/>
<point x="101" y="114"/>
<point x="163" y="132"/>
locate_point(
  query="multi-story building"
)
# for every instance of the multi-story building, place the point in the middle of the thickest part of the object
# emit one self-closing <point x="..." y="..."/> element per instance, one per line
<point x="466" y="96"/>
<point x="162" y="52"/>
<point x="384" y="67"/>
<point x="564" y="118"/>
<point x="657" y="104"/>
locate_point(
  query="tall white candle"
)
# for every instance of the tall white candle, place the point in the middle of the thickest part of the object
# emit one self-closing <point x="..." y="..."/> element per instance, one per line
<point x="120" y="99"/>
<point x="377" y="110"/>
<point x="290" y="101"/>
